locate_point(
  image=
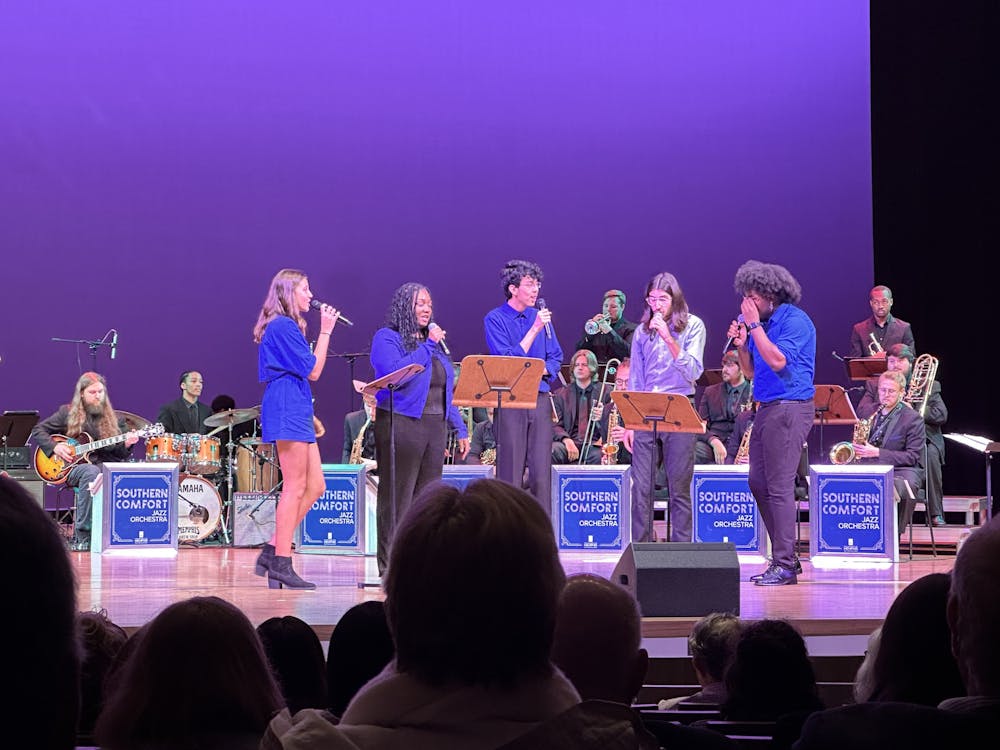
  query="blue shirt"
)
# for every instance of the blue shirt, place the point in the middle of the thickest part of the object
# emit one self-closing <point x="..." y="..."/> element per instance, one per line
<point x="654" y="368"/>
<point x="791" y="330"/>
<point x="388" y="355"/>
<point x="505" y="327"/>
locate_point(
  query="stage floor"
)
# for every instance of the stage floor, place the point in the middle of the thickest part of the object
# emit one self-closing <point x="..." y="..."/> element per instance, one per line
<point x="825" y="602"/>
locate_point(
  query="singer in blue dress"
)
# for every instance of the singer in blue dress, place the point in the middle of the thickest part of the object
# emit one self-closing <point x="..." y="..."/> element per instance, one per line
<point x="286" y="365"/>
<point x="421" y="408"/>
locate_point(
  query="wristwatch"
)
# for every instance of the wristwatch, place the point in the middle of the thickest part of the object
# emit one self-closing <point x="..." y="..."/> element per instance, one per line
<point x="753" y="325"/>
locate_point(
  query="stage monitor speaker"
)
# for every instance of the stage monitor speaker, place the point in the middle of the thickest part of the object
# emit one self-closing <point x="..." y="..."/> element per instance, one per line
<point x="253" y="518"/>
<point x="28" y="479"/>
<point x="681" y="579"/>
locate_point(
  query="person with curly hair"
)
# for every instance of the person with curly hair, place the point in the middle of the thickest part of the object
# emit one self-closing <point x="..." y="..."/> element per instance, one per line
<point x="421" y="408"/>
<point x="776" y="341"/>
<point x="286" y="364"/>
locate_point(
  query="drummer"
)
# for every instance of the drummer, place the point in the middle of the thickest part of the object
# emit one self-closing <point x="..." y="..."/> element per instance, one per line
<point x="187" y="414"/>
<point x="250" y="428"/>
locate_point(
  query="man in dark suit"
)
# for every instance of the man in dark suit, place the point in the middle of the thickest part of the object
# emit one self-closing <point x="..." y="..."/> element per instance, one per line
<point x="886" y="329"/>
<point x="612" y="334"/>
<point x="719" y="406"/>
<point x="354" y="423"/>
<point x="187" y="414"/>
<point x="900" y="357"/>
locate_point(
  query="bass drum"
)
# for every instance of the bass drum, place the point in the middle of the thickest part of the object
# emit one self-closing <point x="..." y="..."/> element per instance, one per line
<point x="199" y="508"/>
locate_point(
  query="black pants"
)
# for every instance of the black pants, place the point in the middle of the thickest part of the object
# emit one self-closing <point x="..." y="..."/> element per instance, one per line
<point x="524" y="438"/>
<point x="418" y="461"/>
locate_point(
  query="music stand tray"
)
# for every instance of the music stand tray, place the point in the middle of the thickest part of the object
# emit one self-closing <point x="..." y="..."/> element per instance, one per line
<point x="644" y="410"/>
<point x="862" y="368"/>
<point x="493" y="380"/>
<point x="833" y="406"/>
<point x="709" y="377"/>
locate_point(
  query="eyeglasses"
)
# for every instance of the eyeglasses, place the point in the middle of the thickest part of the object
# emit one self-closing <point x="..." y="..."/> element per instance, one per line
<point x="530" y="284"/>
<point x="654" y="301"/>
<point x="889" y="390"/>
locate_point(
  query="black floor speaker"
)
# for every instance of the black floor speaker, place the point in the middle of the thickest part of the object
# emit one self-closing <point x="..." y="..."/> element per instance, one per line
<point x="681" y="579"/>
<point x="253" y="518"/>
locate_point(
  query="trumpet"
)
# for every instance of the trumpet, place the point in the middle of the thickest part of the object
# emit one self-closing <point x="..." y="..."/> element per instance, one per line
<point x="593" y="326"/>
<point x="588" y="439"/>
<point x="874" y="347"/>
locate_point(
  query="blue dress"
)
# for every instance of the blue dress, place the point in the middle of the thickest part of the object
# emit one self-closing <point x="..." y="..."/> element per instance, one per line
<point x="284" y="363"/>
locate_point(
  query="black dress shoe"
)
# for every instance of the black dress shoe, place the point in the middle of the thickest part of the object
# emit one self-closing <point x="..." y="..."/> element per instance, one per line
<point x="759" y="576"/>
<point x="777" y="576"/>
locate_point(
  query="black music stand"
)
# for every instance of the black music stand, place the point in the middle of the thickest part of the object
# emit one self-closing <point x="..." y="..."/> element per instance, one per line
<point x="862" y="368"/>
<point x="510" y="381"/>
<point x="15" y="429"/>
<point x="391" y="383"/>
<point x="987" y="447"/>
<point x="832" y="407"/>
<point x="645" y="411"/>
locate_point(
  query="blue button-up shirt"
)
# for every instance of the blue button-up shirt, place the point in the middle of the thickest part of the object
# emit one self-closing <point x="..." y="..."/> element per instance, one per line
<point x="654" y="368"/>
<point x="505" y="327"/>
<point x="791" y="330"/>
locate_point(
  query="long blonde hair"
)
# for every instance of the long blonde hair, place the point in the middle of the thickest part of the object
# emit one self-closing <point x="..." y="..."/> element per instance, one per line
<point x="280" y="301"/>
<point x="107" y="423"/>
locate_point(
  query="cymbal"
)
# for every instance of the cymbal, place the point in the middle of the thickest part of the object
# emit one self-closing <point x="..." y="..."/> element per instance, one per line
<point x="231" y="417"/>
<point x="132" y="421"/>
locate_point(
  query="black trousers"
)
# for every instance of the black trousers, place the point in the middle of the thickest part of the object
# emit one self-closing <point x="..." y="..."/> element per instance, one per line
<point x="524" y="438"/>
<point x="419" y="460"/>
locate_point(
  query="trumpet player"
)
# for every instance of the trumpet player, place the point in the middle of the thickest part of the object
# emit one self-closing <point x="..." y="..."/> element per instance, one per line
<point x="895" y="437"/>
<point x="608" y="334"/>
<point x="876" y="333"/>
<point x="578" y="405"/>
<point x="900" y="358"/>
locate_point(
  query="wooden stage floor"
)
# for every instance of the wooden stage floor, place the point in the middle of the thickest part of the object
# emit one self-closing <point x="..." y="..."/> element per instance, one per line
<point x="825" y="602"/>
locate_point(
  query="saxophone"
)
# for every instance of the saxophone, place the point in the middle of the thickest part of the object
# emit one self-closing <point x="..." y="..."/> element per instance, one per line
<point x="359" y="442"/>
<point x="609" y="451"/>
<point x="843" y="452"/>
<point x="488" y="456"/>
<point x="743" y="452"/>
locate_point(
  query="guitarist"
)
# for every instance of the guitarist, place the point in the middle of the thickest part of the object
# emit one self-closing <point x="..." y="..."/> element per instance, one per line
<point x="89" y="412"/>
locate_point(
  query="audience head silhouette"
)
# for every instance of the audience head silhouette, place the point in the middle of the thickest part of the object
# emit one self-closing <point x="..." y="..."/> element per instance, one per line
<point x="157" y="701"/>
<point x="360" y="647"/>
<point x="42" y="708"/>
<point x="101" y="642"/>
<point x="296" y="657"/>
<point x="597" y="639"/>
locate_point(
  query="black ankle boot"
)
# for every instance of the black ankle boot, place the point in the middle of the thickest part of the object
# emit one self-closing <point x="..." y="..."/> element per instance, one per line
<point x="264" y="560"/>
<point x="281" y="575"/>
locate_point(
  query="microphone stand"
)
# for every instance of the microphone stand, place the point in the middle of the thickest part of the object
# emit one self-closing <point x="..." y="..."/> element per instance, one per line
<point x="94" y="346"/>
<point x="350" y="358"/>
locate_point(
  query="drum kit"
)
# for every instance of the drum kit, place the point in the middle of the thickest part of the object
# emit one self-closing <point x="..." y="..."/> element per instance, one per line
<point x="252" y="462"/>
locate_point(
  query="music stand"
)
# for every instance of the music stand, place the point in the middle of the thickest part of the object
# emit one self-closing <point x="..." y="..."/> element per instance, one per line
<point x="862" y="368"/>
<point x="832" y="407"/>
<point x="645" y="411"/>
<point x="709" y="377"/>
<point x="512" y="381"/>
<point x="15" y="429"/>
<point x="987" y="447"/>
<point x="391" y="383"/>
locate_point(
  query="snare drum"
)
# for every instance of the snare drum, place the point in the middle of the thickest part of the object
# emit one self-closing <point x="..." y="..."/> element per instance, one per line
<point x="201" y="454"/>
<point x="168" y="447"/>
<point x="199" y="508"/>
<point x="256" y="466"/>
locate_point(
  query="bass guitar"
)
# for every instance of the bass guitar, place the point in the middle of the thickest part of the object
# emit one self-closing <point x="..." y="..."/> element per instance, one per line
<point x="53" y="469"/>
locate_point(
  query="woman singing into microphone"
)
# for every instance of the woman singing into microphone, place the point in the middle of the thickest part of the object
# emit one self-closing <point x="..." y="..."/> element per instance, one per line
<point x="667" y="357"/>
<point x="422" y="408"/>
<point x="286" y="365"/>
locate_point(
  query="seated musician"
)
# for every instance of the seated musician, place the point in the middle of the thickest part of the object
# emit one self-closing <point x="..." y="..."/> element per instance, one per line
<point x="718" y="407"/>
<point x="356" y="423"/>
<point x="89" y="412"/>
<point x="579" y="414"/>
<point x="896" y="437"/>
<point x="612" y="333"/>
<point x="187" y="414"/>
<point x="483" y="443"/>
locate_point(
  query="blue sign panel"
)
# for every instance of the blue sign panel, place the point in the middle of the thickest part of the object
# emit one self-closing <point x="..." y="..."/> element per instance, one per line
<point x="723" y="510"/>
<point x="139" y="505"/>
<point x="460" y="475"/>
<point x="336" y="522"/>
<point x="591" y="507"/>
<point x="852" y="512"/>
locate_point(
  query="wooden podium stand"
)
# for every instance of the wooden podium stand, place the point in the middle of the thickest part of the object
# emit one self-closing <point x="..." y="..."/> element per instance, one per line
<point x="391" y="383"/>
<point x="833" y="407"/>
<point x="506" y="382"/>
<point x="645" y="411"/>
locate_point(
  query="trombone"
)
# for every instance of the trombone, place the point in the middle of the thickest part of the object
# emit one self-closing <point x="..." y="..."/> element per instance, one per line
<point x="588" y="439"/>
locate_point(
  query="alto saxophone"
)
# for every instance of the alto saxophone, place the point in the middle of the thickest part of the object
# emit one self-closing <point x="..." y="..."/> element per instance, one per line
<point x="843" y="452"/>
<point x="609" y="451"/>
<point x="743" y="452"/>
<point x="359" y="442"/>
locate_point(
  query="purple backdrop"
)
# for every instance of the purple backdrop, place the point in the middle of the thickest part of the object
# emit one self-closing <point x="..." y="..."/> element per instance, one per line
<point x="160" y="161"/>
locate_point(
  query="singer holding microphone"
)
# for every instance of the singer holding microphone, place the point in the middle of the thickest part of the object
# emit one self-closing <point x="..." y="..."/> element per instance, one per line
<point x="776" y="341"/>
<point x="422" y="408"/>
<point x="668" y="352"/>
<point x="286" y="364"/>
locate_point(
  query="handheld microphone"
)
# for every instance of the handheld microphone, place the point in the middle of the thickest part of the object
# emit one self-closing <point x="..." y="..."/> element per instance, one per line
<point x="315" y="304"/>
<point x="114" y="344"/>
<point x="548" y="326"/>
<point x="729" y="341"/>
<point x="444" y="347"/>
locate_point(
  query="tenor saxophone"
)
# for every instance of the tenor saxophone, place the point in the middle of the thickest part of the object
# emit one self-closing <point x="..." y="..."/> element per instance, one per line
<point x="743" y="452"/>
<point x="359" y="442"/>
<point x="843" y="452"/>
<point x="609" y="451"/>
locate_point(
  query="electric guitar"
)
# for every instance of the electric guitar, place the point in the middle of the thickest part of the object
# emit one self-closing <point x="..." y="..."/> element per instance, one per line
<point x="53" y="469"/>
